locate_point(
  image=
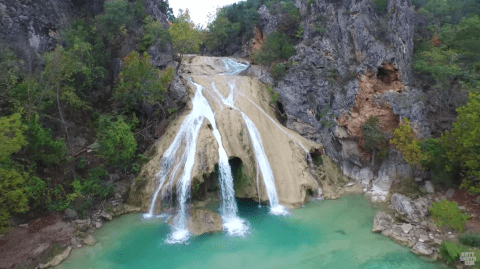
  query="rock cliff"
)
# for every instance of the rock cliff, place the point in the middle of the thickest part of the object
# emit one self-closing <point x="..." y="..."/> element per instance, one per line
<point x="358" y="66"/>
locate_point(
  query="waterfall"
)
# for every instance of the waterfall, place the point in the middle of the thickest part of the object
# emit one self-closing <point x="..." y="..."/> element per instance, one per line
<point x="263" y="164"/>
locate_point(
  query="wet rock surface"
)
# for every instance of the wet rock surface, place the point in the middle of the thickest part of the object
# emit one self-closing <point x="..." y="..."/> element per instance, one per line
<point x="204" y="221"/>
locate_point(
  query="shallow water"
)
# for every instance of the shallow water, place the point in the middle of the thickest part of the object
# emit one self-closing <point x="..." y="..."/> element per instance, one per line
<point x="323" y="234"/>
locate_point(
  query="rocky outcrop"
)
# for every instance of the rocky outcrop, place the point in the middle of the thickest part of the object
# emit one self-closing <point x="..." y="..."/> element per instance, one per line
<point x="285" y="149"/>
<point x="56" y="260"/>
<point x="411" y="210"/>
<point x="360" y="67"/>
<point x="204" y="221"/>
<point x="382" y="222"/>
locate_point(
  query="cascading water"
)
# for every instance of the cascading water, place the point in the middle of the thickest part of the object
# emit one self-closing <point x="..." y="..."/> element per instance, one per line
<point x="188" y="135"/>
<point x="263" y="164"/>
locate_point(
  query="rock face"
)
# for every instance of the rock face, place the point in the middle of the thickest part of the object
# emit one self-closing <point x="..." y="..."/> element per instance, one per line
<point x="360" y="67"/>
<point x="411" y="210"/>
<point x="70" y="215"/>
<point x="382" y="222"/>
<point x="57" y="259"/>
<point x="283" y="147"/>
<point x="204" y="221"/>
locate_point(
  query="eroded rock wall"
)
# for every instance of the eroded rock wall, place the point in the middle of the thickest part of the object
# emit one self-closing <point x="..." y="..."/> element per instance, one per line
<point x="358" y="67"/>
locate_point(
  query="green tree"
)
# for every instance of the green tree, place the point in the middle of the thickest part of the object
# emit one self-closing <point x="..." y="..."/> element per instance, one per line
<point x="153" y="33"/>
<point x="139" y="80"/>
<point x="373" y="135"/>
<point x="12" y="192"/>
<point x="185" y="35"/>
<point x="11" y="136"/>
<point x="116" y="139"/>
<point x="221" y="32"/>
<point x="404" y="140"/>
<point x="463" y="143"/>
<point x="447" y="213"/>
<point x="41" y="146"/>
<point x="277" y="46"/>
<point x="117" y="15"/>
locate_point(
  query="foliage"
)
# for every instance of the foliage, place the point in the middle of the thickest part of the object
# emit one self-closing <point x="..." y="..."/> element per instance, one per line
<point x="41" y="146"/>
<point x="278" y="70"/>
<point x="11" y="136"/>
<point x="381" y="5"/>
<point x="185" y="36"/>
<point x="470" y="239"/>
<point x="117" y="141"/>
<point x="309" y="4"/>
<point x="117" y="15"/>
<point x="246" y="14"/>
<point x="373" y="134"/>
<point x="404" y="140"/>
<point x="167" y="10"/>
<point x="94" y="185"/>
<point x="451" y="251"/>
<point x="276" y="46"/>
<point x="463" y="143"/>
<point x="9" y="68"/>
<point x="221" y="32"/>
<point x="139" y="80"/>
<point x="434" y="157"/>
<point x="447" y="213"/>
<point x="35" y="190"/>
<point x="12" y="194"/>
<point x="439" y="62"/>
<point x="300" y="31"/>
<point x="153" y="33"/>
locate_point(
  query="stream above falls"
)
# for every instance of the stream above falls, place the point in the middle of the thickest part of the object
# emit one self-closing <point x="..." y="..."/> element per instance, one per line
<point x="322" y="234"/>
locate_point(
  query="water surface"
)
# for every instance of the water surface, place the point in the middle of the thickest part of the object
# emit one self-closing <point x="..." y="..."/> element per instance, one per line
<point x="323" y="234"/>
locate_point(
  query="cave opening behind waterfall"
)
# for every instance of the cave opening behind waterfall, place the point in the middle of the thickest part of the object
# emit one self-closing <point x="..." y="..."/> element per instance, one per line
<point x="244" y="183"/>
<point x="208" y="187"/>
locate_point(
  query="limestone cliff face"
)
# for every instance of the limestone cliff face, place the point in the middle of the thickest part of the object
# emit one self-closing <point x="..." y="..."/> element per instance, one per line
<point x="358" y="67"/>
<point x="283" y="147"/>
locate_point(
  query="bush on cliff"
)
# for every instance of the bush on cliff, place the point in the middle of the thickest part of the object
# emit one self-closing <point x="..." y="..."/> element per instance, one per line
<point x="277" y="46"/>
<point x="447" y="213"/>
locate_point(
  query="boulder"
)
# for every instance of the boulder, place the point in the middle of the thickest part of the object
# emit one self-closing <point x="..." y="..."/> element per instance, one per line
<point x="89" y="240"/>
<point x="429" y="187"/>
<point x="124" y="209"/>
<point x="82" y="225"/>
<point x="422" y="249"/>
<point x="57" y="259"/>
<point x="382" y="222"/>
<point x="450" y="192"/>
<point x="406" y="227"/>
<point x="70" y="215"/>
<point x="411" y="210"/>
<point x="203" y="221"/>
<point x="106" y="215"/>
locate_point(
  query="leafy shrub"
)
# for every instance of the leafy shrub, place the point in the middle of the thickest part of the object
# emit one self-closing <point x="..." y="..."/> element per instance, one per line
<point x="9" y="68"/>
<point x="35" y="190"/>
<point x="381" y="5"/>
<point x="463" y="141"/>
<point x="94" y="185"/>
<point x="447" y="213"/>
<point x="117" y="15"/>
<point x="153" y="33"/>
<point x="276" y="46"/>
<point x="470" y="239"/>
<point x="404" y="140"/>
<point x="451" y="251"/>
<point x="185" y="36"/>
<point x="309" y="4"/>
<point x="11" y="136"/>
<point x="12" y="194"/>
<point x="278" y="70"/>
<point x="221" y="33"/>
<point x="139" y="80"/>
<point x="42" y="147"/>
<point x="116" y="140"/>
